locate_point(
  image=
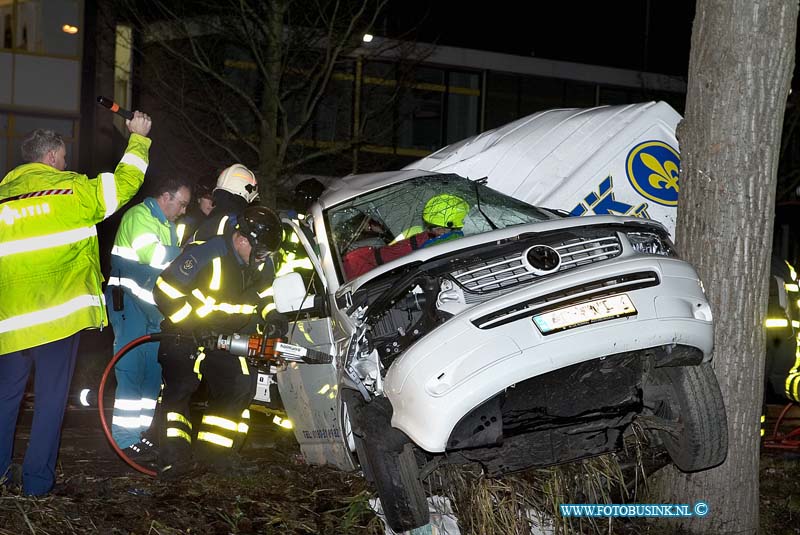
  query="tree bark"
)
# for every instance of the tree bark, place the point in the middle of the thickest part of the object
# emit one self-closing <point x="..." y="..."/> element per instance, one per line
<point x="742" y="56"/>
<point x="268" y="162"/>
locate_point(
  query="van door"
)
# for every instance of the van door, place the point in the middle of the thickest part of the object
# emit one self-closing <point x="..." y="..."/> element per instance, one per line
<point x="310" y="393"/>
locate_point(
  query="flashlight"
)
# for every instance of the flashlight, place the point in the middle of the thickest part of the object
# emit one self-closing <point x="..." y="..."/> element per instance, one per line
<point x="113" y="106"/>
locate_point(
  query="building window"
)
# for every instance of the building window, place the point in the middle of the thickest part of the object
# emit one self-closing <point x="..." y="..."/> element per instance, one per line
<point x="433" y="108"/>
<point x="579" y="95"/>
<point x="334" y="115"/>
<point x="51" y="27"/>
<point x="123" y="68"/>
<point x="502" y="99"/>
<point x="420" y="124"/>
<point x="463" y="105"/>
<point x="377" y="95"/>
<point x="538" y="94"/>
<point x="14" y="128"/>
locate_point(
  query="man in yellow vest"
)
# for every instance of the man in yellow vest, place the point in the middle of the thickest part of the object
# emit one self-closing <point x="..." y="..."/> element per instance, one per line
<point x="50" y="284"/>
<point x="146" y="243"/>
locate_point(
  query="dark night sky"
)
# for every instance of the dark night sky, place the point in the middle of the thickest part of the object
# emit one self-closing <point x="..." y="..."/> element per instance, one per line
<point x="604" y="33"/>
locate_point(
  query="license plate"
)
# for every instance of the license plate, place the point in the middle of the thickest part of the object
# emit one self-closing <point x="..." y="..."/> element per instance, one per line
<point x="607" y="308"/>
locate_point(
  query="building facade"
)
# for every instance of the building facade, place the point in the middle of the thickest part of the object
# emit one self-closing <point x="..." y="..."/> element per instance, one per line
<point x="40" y="73"/>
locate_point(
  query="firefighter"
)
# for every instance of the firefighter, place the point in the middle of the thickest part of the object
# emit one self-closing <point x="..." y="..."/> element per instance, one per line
<point x="145" y="244"/>
<point x="293" y="257"/>
<point x="195" y="216"/>
<point x="235" y="189"/>
<point x="212" y="288"/>
<point x="305" y="194"/>
<point x="50" y="283"/>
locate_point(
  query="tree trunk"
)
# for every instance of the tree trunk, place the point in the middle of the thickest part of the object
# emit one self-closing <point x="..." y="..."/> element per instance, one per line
<point x="268" y="164"/>
<point x="741" y="62"/>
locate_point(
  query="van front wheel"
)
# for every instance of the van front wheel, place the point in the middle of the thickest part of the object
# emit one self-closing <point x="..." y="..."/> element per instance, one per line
<point x="688" y="400"/>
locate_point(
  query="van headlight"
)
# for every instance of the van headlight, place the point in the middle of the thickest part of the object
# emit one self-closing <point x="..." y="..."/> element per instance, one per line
<point x="651" y="243"/>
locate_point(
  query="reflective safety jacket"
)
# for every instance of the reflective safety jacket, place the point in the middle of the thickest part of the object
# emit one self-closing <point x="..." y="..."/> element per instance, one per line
<point x="50" y="279"/>
<point x="292" y="256"/>
<point x="208" y="288"/>
<point x="222" y="218"/>
<point x="145" y="244"/>
<point x="188" y="225"/>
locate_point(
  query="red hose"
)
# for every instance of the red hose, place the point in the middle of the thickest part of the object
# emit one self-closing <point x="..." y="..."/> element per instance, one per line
<point x="141" y="340"/>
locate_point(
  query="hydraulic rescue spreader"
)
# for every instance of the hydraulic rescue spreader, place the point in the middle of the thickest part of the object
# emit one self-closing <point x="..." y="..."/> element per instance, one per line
<point x="264" y="349"/>
<point x="257" y="349"/>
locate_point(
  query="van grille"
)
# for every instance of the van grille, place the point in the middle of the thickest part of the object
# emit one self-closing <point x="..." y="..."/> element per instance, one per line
<point x="506" y="272"/>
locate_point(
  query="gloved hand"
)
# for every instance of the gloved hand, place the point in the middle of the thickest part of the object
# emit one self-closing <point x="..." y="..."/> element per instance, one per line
<point x="204" y="338"/>
<point x="276" y="325"/>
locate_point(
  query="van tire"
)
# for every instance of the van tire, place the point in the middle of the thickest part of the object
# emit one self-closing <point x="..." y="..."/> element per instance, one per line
<point x="388" y="459"/>
<point x="396" y="478"/>
<point x="694" y="402"/>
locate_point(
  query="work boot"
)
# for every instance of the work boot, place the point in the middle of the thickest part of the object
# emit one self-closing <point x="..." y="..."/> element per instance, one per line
<point x="178" y="470"/>
<point x="143" y="451"/>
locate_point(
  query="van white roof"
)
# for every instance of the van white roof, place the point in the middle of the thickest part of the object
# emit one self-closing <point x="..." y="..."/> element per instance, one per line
<point x="537" y="156"/>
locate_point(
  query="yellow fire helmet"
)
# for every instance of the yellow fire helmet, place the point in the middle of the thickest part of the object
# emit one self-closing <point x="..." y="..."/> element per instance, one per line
<point x="445" y="210"/>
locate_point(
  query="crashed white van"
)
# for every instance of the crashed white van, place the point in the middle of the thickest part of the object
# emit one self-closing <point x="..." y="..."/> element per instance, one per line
<point x="528" y="338"/>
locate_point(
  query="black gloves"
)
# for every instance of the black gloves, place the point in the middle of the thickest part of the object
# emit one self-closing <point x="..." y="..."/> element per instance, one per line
<point x="276" y="325"/>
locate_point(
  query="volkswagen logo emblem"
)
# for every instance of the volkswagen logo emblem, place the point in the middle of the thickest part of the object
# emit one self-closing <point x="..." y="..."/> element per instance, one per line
<point x="543" y="259"/>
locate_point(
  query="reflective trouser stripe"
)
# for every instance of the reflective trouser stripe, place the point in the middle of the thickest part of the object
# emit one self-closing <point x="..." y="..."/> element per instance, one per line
<point x="173" y="432"/>
<point x="175" y="421"/>
<point x="243" y="426"/>
<point x="128" y="404"/>
<point x="128" y="422"/>
<point x="216" y="421"/>
<point x="214" y="438"/>
<point x="178" y="417"/>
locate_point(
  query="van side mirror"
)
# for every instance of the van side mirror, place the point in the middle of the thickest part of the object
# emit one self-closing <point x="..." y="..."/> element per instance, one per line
<point x="290" y="294"/>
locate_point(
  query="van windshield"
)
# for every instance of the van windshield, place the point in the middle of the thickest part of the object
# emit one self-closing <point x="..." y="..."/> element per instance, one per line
<point x="383" y="225"/>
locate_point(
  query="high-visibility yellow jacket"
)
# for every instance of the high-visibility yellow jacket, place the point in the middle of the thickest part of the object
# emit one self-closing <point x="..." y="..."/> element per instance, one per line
<point x="146" y="243"/>
<point x="50" y="279"/>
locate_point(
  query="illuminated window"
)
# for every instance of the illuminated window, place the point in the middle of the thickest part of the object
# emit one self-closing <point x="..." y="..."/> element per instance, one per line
<point x="51" y="27"/>
<point x="123" y="64"/>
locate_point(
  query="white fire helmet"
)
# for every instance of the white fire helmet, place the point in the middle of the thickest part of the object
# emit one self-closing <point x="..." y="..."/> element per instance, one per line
<point x="239" y="180"/>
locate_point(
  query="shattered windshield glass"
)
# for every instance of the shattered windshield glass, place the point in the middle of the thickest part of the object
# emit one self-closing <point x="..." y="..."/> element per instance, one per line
<point x="386" y="224"/>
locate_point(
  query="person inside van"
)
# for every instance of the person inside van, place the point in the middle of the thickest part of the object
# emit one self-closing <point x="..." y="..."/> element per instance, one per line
<point x="443" y="216"/>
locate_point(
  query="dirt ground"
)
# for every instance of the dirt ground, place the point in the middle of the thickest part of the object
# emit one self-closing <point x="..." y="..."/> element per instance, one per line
<point x="272" y="492"/>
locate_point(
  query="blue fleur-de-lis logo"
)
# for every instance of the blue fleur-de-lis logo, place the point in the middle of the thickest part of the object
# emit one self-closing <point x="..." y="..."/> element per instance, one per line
<point x="653" y="168"/>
